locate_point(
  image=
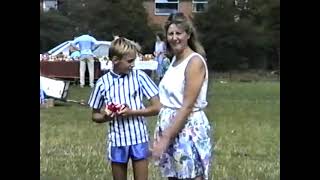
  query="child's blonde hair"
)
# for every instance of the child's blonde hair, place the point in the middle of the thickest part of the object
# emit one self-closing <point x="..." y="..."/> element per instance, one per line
<point x="121" y="47"/>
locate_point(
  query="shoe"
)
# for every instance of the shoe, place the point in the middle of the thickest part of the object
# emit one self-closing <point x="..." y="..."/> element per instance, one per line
<point x="82" y="86"/>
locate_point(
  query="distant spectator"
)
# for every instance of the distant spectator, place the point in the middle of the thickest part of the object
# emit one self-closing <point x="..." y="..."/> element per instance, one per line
<point x="86" y="45"/>
<point x="159" y="50"/>
<point x="42" y="95"/>
<point x="115" y="35"/>
<point x="45" y="57"/>
<point x="74" y="53"/>
<point x="165" y="65"/>
<point x="60" y="57"/>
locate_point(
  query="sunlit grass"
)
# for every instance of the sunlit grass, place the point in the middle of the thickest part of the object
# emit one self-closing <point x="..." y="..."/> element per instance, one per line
<point x="245" y="118"/>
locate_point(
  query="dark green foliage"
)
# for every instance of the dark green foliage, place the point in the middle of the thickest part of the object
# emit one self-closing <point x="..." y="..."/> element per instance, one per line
<point x="251" y="42"/>
<point x="101" y="17"/>
<point x="54" y="29"/>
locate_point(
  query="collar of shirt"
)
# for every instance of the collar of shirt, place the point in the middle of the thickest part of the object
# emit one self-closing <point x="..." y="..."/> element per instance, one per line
<point x="115" y="75"/>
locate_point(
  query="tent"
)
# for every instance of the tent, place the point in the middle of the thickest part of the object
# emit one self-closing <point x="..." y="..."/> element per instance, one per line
<point x="101" y="50"/>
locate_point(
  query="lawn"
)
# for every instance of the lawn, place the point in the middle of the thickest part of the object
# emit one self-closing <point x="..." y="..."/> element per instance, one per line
<point x="245" y="117"/>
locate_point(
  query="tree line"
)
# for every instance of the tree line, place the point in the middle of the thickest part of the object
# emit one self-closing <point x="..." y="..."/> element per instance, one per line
<point x="236" y="36"/>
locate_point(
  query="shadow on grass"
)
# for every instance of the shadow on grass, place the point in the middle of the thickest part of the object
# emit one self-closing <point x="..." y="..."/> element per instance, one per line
<point x="66" y="104"/>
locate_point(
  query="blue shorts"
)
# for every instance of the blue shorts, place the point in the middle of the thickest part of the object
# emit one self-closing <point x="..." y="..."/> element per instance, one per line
<point x="123" y="153"/>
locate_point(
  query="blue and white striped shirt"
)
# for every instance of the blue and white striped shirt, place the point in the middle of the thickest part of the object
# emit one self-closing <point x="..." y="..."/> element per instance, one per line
<point x="129" y="90"/>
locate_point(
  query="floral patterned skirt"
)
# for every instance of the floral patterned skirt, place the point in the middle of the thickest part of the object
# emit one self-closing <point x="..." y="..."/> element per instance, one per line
<point x="190" y="154"/>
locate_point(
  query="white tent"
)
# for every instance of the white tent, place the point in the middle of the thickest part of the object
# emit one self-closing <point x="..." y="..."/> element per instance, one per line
<point x="102" y="49"/>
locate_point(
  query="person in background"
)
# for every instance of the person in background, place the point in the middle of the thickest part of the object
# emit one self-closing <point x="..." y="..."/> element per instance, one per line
<point x="42" y="96"/>
<point x="140" y="57"/>
<point x="45" y="56"/>
<point x="115" y="35"/>
<point x="182" y="148"/>
<point x="86" y="44"/>
<point x="165" y="64"/>
<point x="118" y="99"/>
<point x="74" y="53"/>
<point x="60" y="57"/>
<point x="159" y="50"/>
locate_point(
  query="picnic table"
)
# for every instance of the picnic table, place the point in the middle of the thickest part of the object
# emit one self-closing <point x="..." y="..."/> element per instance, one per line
<point x="70" y="69"/>
<point x="65" y="69"/>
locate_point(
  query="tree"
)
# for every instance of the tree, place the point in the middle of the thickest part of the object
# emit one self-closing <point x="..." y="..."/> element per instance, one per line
<point x="103" y="17"/>
<point x="233" y="43"/>
<point x="265" y="15"/>
<point x="54" y="29"/>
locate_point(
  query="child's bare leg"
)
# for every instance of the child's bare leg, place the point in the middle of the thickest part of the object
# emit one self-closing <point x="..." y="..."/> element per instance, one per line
<point x="199" y="178"/>
<point x="119" y="171"/>
<point x="140" y="169"/>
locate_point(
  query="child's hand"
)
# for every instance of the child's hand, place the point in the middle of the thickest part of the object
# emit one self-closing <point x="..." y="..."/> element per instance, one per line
<point x="124" y="110"/>
<point x="112" y="107"/>
<point x="109" y="111"/>
<point x="116" y="109"/>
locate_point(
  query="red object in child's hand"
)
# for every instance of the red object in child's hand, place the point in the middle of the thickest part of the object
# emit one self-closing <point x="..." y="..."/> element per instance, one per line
<point x="112" y="107"/>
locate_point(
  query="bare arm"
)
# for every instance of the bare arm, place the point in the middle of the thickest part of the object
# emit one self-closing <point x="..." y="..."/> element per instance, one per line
<point x="195" y="74"/>
<point x="100" y="116"/>
<point x="151" y="110"/>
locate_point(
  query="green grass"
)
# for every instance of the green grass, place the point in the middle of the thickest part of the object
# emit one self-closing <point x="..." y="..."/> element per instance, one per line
<point x="246" y="125"/>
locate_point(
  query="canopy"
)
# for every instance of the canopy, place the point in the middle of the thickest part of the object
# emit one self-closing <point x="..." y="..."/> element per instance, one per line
<point x="101" y="50"/>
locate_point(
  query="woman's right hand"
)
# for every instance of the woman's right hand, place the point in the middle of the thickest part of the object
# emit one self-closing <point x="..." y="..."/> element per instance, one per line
<point x="160" y="145"/>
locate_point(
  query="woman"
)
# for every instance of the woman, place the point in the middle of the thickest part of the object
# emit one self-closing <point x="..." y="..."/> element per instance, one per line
<point x="182" y="146"/>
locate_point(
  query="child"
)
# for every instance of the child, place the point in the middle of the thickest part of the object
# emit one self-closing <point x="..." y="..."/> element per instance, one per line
<point x="159" y="50"/>
<point x="165" y="65"/>
<point x="74" y="53"/>
<point x="125" y="87"/>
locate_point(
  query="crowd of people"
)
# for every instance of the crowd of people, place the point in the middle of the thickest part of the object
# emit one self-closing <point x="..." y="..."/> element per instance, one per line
<point x="182" y="147"/>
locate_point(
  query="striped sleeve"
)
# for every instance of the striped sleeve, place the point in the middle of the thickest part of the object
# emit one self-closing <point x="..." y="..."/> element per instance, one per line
<point x="149" y="88"/>
<point x="96" y="99"/>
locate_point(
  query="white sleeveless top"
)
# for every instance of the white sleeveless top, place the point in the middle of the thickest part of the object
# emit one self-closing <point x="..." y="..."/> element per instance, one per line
<point x="172" y="85"/>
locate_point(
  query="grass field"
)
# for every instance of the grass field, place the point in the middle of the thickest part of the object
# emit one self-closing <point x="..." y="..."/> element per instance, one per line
<point x="245" y="118"/>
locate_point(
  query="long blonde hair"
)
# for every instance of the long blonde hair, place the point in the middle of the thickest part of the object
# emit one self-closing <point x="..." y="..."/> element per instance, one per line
<point x="183" y="22"/>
